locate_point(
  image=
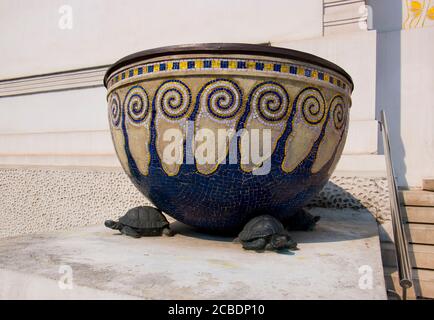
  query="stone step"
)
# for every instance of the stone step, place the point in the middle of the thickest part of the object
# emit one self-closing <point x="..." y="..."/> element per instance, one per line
<point x="428" y="184"/>
<point x="421" y="256"/>
<point x="418" y="214"/>
<point x="420" y="233"/>
<point x="423" y="281"/>
<point x="419" y="198"/>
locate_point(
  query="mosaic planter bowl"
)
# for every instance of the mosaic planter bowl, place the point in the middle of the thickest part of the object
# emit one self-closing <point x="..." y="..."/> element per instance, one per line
<point x="302" y="101"/>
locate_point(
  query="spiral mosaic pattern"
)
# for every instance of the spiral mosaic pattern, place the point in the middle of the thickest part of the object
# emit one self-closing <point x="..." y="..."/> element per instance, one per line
<point x="173" y="98"/>
<point x="312" y="105"/>
<point x="115" y="110"/>
<point x="271" y="101"/>
<point x="338" y="112"/>
<point x="222" y="98"/>
<point x="137" y="105"/>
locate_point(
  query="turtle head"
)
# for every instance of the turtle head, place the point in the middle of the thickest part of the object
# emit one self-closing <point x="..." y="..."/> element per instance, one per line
<point x="280" y="241"/>
<point x="112" y="224"/>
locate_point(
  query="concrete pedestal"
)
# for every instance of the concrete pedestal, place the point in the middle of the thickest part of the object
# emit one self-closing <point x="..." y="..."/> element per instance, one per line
<point x="340" y="260"/>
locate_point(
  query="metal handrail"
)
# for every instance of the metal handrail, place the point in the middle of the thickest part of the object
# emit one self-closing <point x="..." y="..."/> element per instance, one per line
<point x="402" y="255"/>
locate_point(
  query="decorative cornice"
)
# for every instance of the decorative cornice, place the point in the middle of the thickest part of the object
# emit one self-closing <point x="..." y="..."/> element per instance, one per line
<point x="52" y="82"/>
<point x="343" y="13"/>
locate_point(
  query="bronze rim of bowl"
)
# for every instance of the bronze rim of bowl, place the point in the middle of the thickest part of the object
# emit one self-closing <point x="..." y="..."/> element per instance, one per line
<point x="227" y="48"/>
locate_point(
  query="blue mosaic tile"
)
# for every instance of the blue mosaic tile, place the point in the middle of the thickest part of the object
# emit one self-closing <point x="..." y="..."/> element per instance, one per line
<point x="241" y="65"/>
<point x="207" y="64"/>
<point x="225" y="64"/>
<point x="259" y="66"/>
<point x="191" y="64"/>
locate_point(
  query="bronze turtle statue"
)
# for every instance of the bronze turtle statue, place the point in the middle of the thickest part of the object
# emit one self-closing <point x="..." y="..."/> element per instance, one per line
<point x="141" y="221"/>
<point x="265" y="233"/>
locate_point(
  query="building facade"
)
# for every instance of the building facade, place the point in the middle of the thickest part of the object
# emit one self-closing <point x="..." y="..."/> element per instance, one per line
<point x="56" y="155"/>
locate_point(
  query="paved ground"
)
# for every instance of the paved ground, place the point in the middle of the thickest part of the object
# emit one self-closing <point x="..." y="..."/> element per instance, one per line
<point x="337" y="261"/>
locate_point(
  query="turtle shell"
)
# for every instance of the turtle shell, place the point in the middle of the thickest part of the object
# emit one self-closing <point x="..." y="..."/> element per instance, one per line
<point x="144" y="218"/>
<point x="262" y="226"/>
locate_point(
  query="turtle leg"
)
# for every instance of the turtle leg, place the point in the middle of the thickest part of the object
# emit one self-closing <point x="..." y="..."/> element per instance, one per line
<point x="128" y="231"/>
<point x="301" y="220"/>
<point x="168" y="232"/>
<point x="258" y="244"/>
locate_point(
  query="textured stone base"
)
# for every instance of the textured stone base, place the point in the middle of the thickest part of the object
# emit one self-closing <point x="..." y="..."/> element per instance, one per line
<point x="356" y="193"/>
<point x="339" y="260"/>
<point x="41" y="200"/>
<point x="47" y="199"/>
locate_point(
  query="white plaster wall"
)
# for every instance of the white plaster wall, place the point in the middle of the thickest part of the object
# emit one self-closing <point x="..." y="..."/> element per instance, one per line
<point x="407" y="94"/>
<point x="73" y="110"/>
<point x="31" y="41"/>
<point x="59" y="128"/>
<point x="405" y="88"/>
